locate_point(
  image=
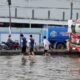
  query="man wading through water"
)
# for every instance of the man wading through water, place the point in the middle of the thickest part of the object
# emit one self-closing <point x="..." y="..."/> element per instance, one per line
<point x="46" y="45"/>
<point x="23" y="47"/>
<point x="31" y="48"/>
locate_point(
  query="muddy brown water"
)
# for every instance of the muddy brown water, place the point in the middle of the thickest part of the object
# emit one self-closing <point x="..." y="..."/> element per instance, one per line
<point x="55" y="67"/>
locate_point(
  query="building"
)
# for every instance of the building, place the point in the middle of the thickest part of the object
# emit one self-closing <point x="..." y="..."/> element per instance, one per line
<point x="36" y="13"/>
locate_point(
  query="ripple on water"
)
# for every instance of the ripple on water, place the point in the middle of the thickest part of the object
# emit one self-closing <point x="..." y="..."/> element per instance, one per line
<point x="52" y="68"/>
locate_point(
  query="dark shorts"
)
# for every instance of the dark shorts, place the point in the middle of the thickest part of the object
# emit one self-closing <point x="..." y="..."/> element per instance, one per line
<point x="31" y="49"/>
<point x="45" y="51"/>
<point x="24" y="50"/>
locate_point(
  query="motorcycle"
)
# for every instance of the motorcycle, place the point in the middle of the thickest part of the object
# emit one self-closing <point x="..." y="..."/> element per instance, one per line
<point x="10" y="45"/>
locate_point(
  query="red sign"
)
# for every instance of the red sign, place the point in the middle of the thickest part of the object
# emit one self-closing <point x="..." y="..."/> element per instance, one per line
<point x="74" y="36"/>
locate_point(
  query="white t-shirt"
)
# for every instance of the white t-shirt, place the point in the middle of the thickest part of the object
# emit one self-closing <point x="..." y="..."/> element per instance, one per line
<point x="46" y="44"/>
<point x="28" y="44"/>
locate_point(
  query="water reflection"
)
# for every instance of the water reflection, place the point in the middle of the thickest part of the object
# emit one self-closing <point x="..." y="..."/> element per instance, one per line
<point x="24" y="61"/>
<point x="51" y="68"/>
<point x="31" y="64"/>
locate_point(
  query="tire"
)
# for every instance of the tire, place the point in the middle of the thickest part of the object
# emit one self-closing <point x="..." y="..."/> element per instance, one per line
<point x="60" y="46"/>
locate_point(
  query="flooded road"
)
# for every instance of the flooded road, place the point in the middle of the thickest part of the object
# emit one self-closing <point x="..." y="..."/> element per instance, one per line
<point x="52" y="68"/>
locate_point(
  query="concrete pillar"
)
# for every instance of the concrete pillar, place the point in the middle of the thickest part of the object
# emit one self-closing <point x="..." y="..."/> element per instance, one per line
<point x="63" y="16"/>
<point x="15" y="12"/>
<point x="33" y="14"/>
<point x="77" y="15"/>
<point x="48" y="14"/>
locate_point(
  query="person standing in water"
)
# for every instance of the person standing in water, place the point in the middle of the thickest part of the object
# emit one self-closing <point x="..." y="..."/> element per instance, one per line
<point x="23" y="47"/>
<point x="31" y="47"/>
<point x="46" y="45"/>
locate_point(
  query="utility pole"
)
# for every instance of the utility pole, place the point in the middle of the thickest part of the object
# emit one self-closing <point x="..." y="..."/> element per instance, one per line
<point x="71" y="10"/>
<point x="9" y="4"/>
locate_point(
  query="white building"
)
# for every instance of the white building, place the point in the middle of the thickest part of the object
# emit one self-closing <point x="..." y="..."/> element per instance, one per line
<point x="39" y="11"/>
<point x="35" y="13"/>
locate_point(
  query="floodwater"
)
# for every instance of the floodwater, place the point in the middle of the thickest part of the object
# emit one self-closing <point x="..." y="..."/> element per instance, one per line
<point x="56" y="67"/>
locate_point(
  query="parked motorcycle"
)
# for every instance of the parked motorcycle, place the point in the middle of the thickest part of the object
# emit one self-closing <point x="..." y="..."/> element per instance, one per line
<point x="10" y="45"/>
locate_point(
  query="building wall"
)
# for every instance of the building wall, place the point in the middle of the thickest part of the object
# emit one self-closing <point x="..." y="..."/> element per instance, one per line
<point x="41" y="8"/>
<point x="16" y="34"/>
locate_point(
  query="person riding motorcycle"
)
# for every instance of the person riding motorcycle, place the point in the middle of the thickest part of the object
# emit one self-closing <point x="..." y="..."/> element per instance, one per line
<point x="9" y="39"/>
